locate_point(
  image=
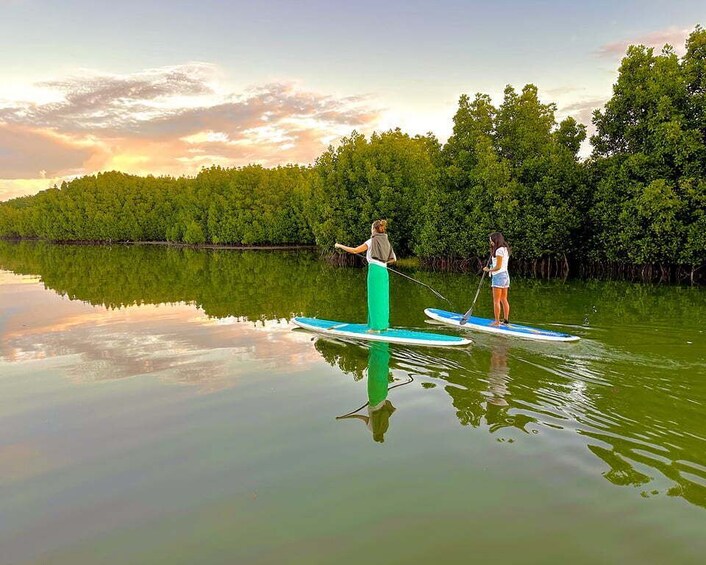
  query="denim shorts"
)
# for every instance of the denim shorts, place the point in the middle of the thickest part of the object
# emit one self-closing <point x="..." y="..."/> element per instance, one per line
<point x="500" y="280"/>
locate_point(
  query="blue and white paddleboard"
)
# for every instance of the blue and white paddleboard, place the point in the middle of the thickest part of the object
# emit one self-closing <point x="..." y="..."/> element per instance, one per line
<point x="360" y="331"/>
<point x="484" y="325"/>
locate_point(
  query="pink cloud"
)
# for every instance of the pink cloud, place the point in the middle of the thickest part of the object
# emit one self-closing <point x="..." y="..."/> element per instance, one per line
<point x="674" y="36"/>
<point x="170" y="121"/>
<point x="582" y="110"/>
<point x="176" y="343"/>
<point x="26" y="152"/>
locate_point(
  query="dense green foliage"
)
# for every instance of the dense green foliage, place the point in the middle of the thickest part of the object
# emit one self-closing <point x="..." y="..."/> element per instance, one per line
<point x="650" y="159"/>
<point x="640" y="199"/>
<point x="389" y="177"/>
<point x="238" y="206"/>
<point x="508" y="169"/>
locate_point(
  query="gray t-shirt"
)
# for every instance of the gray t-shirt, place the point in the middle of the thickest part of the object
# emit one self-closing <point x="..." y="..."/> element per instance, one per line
<point x="383" y="246"/>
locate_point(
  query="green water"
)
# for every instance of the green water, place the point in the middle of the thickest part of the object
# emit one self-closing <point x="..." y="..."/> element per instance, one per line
<point x="157" y="406"/>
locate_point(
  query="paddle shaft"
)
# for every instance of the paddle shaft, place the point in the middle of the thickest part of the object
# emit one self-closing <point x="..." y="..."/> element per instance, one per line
<point x="470" y="310"/>
<point x="412" y="279"/>
<point x="411" y="379"/>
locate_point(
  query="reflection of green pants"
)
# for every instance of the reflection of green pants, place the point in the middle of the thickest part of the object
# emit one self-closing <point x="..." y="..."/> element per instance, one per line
<point x="378" y="297"/>
<point x="378" y="372"/>
<point x="379" y="408"/>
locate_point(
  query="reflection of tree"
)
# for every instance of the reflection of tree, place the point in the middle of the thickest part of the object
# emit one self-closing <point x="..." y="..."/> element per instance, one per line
<point x="648" y="420"/>
<point x="351" y="359"/>
<point x="619" y="417"/>
<point x="640" y="425"/>
<point x="468" y="404"/>
<point x="480" y="391"/>
<point x="256" y="285"/>
<point x="621" y="472"/>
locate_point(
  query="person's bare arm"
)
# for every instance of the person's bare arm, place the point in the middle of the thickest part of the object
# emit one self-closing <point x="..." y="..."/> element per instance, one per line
<point x="360" y="249"/>
<point x="498" y="266"/>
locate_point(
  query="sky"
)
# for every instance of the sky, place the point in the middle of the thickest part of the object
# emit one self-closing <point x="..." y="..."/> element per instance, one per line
<point x="169" y="87"/>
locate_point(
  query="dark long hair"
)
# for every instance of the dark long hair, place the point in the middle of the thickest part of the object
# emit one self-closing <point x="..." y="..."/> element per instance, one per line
<point x="497" y="241"/>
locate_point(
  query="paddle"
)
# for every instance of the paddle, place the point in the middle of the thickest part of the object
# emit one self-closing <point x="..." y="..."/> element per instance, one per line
<point x="411" y="279"/>
<point x="411" y="379"/>
<point x="470" y="310"/>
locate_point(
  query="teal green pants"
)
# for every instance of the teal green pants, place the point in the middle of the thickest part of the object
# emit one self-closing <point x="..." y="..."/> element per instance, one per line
<point x="378" y="297"/>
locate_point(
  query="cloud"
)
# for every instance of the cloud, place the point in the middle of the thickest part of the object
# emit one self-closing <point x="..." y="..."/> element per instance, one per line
<point x="676" y="37"/>
<point x="32" y="153"/>
<point x="100" y="103"/>
<point x="581" y="107"/>
<point x="171" y="120"/>
<point x="582" y="110"/>
<point x="176" y="343"/>
<point x="189" y="80"/>
<point x="15" y="188"/>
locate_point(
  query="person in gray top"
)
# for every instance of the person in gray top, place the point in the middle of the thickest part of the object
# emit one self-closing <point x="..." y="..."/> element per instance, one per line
<point x="379" y="254"/>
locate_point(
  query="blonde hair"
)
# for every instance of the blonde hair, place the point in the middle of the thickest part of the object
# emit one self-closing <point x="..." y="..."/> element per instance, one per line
<point x="380" y="226"/>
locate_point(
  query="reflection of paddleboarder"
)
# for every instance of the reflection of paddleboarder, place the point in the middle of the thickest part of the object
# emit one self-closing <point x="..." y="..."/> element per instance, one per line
<point x="496" y="404"/>
<point x="379" y="254"/>
<point x="377" y="420"/>
<point x="379" y="407"/>
<point x="498" y="376"/>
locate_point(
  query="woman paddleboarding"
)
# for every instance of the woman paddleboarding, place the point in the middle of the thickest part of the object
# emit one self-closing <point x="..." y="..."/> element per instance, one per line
<point x="500" y="282"/>
<point x="379" y="254"/>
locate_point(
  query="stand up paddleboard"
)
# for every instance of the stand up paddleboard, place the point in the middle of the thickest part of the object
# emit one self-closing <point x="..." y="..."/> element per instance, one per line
<point x="360" y="331"/>
<point x="484" y="325"/>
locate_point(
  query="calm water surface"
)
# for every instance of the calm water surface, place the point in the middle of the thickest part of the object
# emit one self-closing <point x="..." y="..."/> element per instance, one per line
<point x="157" y="406"/>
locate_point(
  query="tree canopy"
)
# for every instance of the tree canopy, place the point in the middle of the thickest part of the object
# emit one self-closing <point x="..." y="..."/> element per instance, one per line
<point x="639" y="199"/>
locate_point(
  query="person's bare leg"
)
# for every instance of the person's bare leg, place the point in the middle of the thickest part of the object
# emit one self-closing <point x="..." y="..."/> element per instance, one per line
<point x="505" y="304"/>
<point x="497" y="296"/>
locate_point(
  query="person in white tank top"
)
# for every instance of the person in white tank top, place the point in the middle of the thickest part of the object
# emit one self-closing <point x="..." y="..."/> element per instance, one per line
<point x="500" y="282"/>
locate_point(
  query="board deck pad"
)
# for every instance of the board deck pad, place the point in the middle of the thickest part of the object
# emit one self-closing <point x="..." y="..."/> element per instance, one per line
<point x="392" y="335"/>
<point x="484" y="325"/>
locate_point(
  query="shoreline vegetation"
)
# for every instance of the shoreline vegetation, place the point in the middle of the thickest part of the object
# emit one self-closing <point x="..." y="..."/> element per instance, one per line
<point x="636" y="208"/>
<point x="546" y="269"/>
<point x="176" y="244"/>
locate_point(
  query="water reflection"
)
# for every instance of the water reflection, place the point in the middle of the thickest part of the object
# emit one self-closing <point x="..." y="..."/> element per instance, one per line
<point x="498" y="375"/>
<point x="174" y="343"/>
<point x="507" y="389"/>
<point x="379" y="408"/>
<point x="498" y="391"/>
<point x="631" y="394"/>
<point x="621" y="473"/>
<point x="252" y="285"/>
